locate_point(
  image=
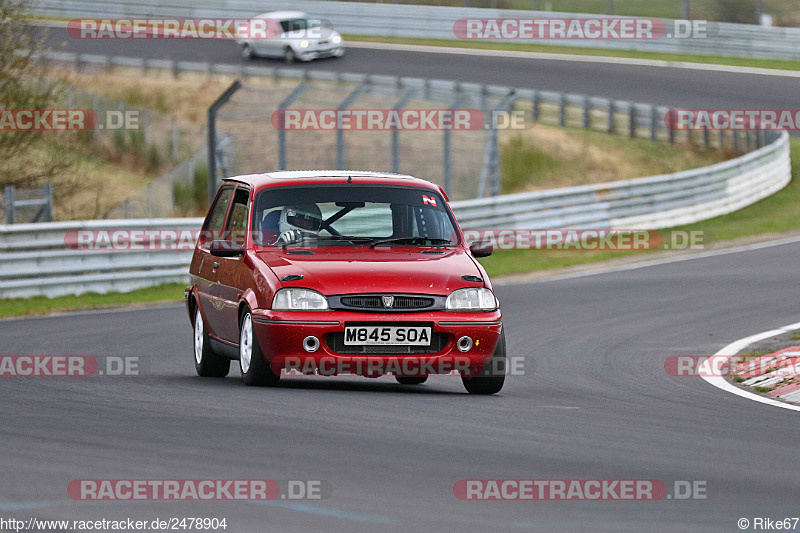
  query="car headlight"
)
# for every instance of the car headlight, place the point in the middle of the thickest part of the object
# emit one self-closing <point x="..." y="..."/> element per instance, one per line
<point x="303" y="44"/>
<point x="472" y="299"/>
<point x="336" y="39"/>
<point x="299" y="300"/>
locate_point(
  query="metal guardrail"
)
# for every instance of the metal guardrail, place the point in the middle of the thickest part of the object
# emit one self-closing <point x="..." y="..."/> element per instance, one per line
<point x="436" y="22"/>
<point x="562" y="109"/>
<point x="35" y="260"/>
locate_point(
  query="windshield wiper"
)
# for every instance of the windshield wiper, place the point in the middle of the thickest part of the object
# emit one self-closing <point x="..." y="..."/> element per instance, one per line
<point x="411" y="240"/>
<point x="336" y="238"/>
<point x="353" y="240"/>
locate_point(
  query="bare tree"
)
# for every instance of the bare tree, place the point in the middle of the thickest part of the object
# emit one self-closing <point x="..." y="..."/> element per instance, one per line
<point x="24" y="84"/>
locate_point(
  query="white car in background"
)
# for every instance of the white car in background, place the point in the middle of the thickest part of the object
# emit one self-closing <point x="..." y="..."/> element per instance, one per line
<point x="294" y="36"/>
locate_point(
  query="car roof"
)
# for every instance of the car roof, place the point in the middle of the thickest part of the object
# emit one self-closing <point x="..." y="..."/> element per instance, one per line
<point x="282" y="15"/>
<point x="312" y="177"/>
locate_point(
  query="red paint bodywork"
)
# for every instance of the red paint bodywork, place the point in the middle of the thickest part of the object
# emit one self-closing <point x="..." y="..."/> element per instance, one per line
<point x="251" y="280"/>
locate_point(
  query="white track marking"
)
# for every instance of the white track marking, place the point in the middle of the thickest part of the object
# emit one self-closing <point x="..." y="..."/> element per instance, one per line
<point x="736" y="347"/>
<point x="452" y="50"/>
<point x="513" y="279"/>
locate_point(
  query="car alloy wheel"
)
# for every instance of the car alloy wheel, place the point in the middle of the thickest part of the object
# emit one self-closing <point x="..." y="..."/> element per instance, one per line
<point x="207" y="363"/>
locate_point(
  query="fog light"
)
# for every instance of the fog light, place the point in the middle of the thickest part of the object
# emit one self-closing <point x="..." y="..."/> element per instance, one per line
<point x="464" y="344"/>
<point x="311" y="344"/>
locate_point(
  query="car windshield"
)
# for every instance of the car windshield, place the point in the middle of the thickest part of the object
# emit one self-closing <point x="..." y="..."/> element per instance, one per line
<point x="299" y="24"/>
<point x="347" y="215"/>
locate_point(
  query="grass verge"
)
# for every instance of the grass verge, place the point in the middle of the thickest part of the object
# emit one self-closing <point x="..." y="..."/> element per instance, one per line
<point x="40" y="305"/>
<point x="775" y="214"/>
<point x="779" y="64"/>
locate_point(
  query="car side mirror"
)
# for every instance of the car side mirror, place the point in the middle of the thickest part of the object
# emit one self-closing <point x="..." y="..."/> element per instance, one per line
<point x="225" y="249"/>
<point x="481" y="249"/>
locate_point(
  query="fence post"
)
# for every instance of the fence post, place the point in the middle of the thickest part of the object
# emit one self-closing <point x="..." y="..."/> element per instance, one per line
<point x="562" y="110"/>
<point x="175" y="140"/>
<point x="736" y="148"/>
<point x="347" y="102"/>
<point x="671" y="126"/>
<point x="285" y="104"/>
<point x="396" y="133"/>
<point x="212" y="136"/>
<point x="537" y="103"/>
<point x="9" y="204"/>
<point x="706" y="138"/>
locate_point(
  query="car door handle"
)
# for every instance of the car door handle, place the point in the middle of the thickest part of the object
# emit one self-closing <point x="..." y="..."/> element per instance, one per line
<point x="215" y="265"/>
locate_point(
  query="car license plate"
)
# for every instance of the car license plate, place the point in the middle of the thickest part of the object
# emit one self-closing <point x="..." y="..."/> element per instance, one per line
<point x="387" y="335"/>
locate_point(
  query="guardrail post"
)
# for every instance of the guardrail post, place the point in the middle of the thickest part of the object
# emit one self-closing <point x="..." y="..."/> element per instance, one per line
<point x="612" y="119"/>
<point x="587" y="110"/>
<point x="671" y="127"/>
<point x="706" y="138"/>
<point x="748" y="140"/>
<point x="632" y="120"/>
<point x="653" y="123"/>
<point x="9" y="194"/>
<point x="537" y="104"/>
<point x="562" y="110"/>
<point x="721" y="139"/>
<point x="736" y="147"/>
<point x="47" y="193"/>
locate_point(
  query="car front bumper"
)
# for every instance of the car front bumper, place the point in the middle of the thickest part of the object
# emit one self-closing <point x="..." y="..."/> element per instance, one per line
<point x="336" y="51"/>
<point x="281" y="336"/>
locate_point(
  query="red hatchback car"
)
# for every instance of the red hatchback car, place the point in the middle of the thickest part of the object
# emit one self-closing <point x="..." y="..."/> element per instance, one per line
<point x="340" y="272"/>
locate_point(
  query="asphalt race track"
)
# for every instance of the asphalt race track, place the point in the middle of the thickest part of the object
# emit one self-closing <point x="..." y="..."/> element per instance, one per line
<point x="656" y="85"/>
<point x="598" y="405"/>
<point x="596" y="402"/>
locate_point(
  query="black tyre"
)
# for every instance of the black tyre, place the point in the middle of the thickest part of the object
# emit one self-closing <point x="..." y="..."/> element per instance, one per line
<point x="411" y="380"/>
<point x="206" y="362"/>
<point x="247" y="51"/>
<point x="289" y="56"/>
<point x="491" y="379"/>
<point x="255" y="370"/>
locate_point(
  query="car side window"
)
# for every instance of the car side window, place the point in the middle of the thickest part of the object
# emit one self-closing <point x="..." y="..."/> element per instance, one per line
<point x="235" y="229"/>
<point x="215" y="223"/>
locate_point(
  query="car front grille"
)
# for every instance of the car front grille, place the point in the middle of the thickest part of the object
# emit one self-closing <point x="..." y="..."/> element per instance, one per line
<point x="376" y="302"/>
<point x="336" y="344"/>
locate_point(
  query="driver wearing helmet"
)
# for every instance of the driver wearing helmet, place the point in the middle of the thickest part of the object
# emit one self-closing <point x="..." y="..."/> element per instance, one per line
<point x="298" y="221"/>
